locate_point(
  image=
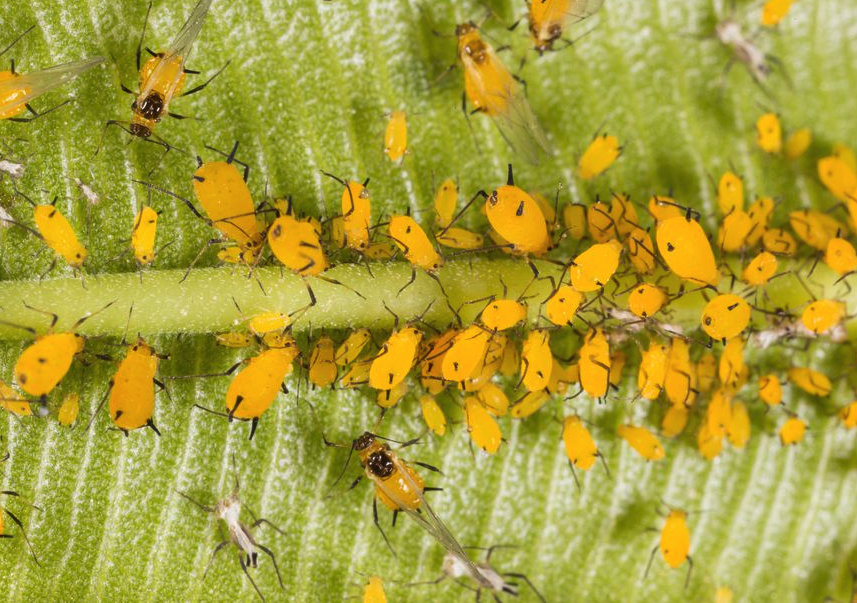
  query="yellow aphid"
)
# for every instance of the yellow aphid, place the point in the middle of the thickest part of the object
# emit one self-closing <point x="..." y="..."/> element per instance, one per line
<point x="822" y="315"/>
<point x="132" y="389"/>
<point x="268" y="322"/>
<point x="431" y="365"/>
<point x="548" y="208"/>
<point x="849" y="415"/>
<point x="674" y="542"/>
<point x="770" y="390"/>
<point x="445" y="201"/>
<point x="837" y="176"/>
<point x="580" y="447"/>
<point x="59" y="235"/>
<point x="394" y="361"/>
<point x="775" y="11"/>
<point x="528" y="404"/>
<point x="724" y="594"/>
<point x="730" y="193"/>
<point x="494" y="399"/>
<point x="846" y="154"/>
<point x="624" y="214"/>
<point x="562" y="306"/>
<point x="617" y="366"/>
<point x="810" y="381"/>
<point x="43" y="364"/>
<point x="760" y="269"/>
<point x="549" y="19"/>
<point x="779" y="242"/>
<point x="738" y="428"/>
<point x="601" y="225"/>
<point x="536" y="360"/>
<point x="653" y="370"/>
<point x="594" y="365"/>
<point x="674" y="421"/>
<point x="465" y="354"/>
<point x="396" y="136"/>
<point x="350" y="349"/>
<point x="380" y="250"/>
<point x="643" y="441"/>
<point x="719" y="413"/>
<point x="414" y="244"/>
<point x="593" y="269"/>
<point x="517" y="218"/>
<point x="562" y="377"/>
<point x="502" y="314"/>
<point x="680" y="382"/>
<point x="840" y="256"/>
<point x="574" y="218"/>
<point x="511" y="359"/>
<point x="769" y="133"/>
<point x="792" y="431"/>
<point x="598" y="156"/>
<point x="760" y="212"/>
<point x="663" y="208"/>
<point x="489" y="365"/>
<point x="710" y="445"/>
<point x="297" y="245"/>
<point x="143" y="235"/>
<point x="706" y="372"/>
<point x="67" y="413"/>
<point x="234" y="339"/>
<point x="646" y="300"/>
<point x="734" y="231"/>
<point x="322" y="367"/>
<point x="725" y="317"/>
<point x="433" y="415"/>
<point x="732" y="370"/>
<point x="481" y="426"/>
<point x="357" y="375"/>
<point x="373" y="591"/>
<point x="356" y="214"/>
<point x="14" y="402"/>
<point x="388" y="398"/>
<point x="797" y="143"/>
<point x="459" y="238"/>
<point x="492" y="90"/>
<point x="641" y="251"/>
<point x="815" y="228"/>
<point x="687" y="251"/>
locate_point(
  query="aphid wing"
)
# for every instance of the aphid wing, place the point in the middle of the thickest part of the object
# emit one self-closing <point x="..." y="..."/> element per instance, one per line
<point x="581" y="9"/>
<point x="430" y="522"/>
<point x="39" y="82"/>
<point x="183" y="42"/>
<point x="519" y="127"/>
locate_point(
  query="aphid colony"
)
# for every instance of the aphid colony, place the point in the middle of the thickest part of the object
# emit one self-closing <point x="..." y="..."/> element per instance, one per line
<point x="615" y="269"/>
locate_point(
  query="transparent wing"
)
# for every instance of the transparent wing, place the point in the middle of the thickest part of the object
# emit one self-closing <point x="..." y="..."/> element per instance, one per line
<point x="38" y="82"/>
<point x="522" y="131"/>
<point x="183" y="42"/>
<point x="579" y="10"/>
<point x="429" y="521"/>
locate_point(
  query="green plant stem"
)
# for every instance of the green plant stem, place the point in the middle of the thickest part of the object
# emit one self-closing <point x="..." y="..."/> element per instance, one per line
<point x="203" y="302"/>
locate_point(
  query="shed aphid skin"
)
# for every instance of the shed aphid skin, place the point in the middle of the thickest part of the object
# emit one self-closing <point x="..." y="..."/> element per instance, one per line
<point x="774" y="11"/>
<point x="400" y="488"/>
<point x="769" y="133"/>
<point x="744" y="50"/>
<point x="356" y="213"/>
<point x="14" y="518"/>
<point x="44" y="363"/>
<point x="350" y="349"/>
<point x="68" y="410"/>
<point x="674" y="543"/>
<point x="598" y="156"/>
<point x="494" y="91"/>
<point x="686" y="249"/>
<point x="162" y="79"/>
<point x="239" y="534"/>
<point x="19" y="90"/>
<point x="643" y="441"/>
<point x="550" y="19"/>
<point x="396" y="136"/>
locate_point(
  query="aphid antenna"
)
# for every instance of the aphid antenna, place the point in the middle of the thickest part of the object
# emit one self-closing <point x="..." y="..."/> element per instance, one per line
<point x="15" y="41"/>
<point x="230" y="158"/>
<point x="479" y="194"/>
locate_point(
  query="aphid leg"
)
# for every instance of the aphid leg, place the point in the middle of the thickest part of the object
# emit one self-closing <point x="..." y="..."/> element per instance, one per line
<point x="205" y="508"/>
<point x="100" y="405"/>
<point x="23" y="533"/>
<point x="689" y="570"/>
<point x="649" y="564"/>
<point x="249" y="577"/>
<point x="151" y="425"/>
<point x="36" y="115"/>
<point x="378" y="525"/>
<point x="142" y="36"/>
<point x="574" y="475"/>
<point x="427" y="466"/>
<point x="529" y="583"/>
<point x="206" y="82"/>
<point x="268" y="552"/>
<point x="410" y="281"/>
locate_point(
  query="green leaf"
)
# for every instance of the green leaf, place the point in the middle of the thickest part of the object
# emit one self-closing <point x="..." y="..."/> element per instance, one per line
<point x="306" y="90"/>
